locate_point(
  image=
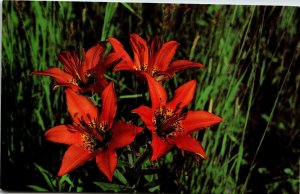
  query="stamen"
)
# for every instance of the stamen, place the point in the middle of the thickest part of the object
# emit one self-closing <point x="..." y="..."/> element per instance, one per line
<point x="136" y="68"/>
<point x="73" y="81"/>
<point x="145" y="67"/>
<point x="95" y="135"/>
<point x="167" y="122"/>
<point x="154" y="71"/>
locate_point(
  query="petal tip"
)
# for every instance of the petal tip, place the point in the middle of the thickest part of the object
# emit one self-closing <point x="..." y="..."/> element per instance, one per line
<point x="109" y="178"/>
<point x="153" y="158"/>
<point x="203" y="155"/>
<point x="60" y="174"/>
<point x="218" y="119"/>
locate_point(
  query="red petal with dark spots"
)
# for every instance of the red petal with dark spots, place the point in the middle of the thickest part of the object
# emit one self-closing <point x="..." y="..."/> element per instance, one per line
<point x="183" y="95"/>
<point x="146" y="114"/>
<point x="66" y="134"/>
<point x="157" y="92"/>
<point x="123" y="134"/>
<point x="107" y="162"/>
<point x="74" y="157"/>
<point x="109" y="104"/>
<point x="196" y="120"/>
<point x="159" y="147"/>
<point x="80" y="107"/>
<point x="188" y="143"/>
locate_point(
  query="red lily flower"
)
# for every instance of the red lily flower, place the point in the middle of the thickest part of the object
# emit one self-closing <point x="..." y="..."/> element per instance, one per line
<point x="85" y="75"/>
<point x="153" y="57"/>
<point x="170" y="122"/>
<point x="92" y="134"/>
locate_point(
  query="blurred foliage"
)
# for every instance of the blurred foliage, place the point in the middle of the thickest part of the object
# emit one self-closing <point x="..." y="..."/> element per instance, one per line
<point x="251" y="79"/>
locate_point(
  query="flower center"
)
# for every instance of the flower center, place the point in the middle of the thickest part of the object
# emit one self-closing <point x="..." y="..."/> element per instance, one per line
<point x="91" y="143"/>
<point x="89" y="79"/>
<point x="145" y="67"/>
<point x="95" y="135"/>
<point x="167" y="121"/>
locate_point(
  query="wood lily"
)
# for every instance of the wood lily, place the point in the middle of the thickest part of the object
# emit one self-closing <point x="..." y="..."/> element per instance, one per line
<point x="171" y="123"/>
<point x="152" y="57"/>
<point x="92" y="134"/>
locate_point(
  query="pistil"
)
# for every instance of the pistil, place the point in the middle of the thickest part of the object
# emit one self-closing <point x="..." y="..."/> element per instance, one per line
<point x="167" y="121"/>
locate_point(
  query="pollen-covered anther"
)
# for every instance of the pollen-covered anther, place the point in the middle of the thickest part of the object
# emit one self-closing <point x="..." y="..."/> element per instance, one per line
<point x="167" y="122"/>
<point x="89" y="73"/>
<point x="154" y="71"/>
<point x="168" y="112"/>
<point x="172" y="135"/>
<point x="154" y="121"/>
<point x="136" y="68"/>
<point x="145" y="67"/>
<point x="92" y="125"/>
<point x="73" y="81"/>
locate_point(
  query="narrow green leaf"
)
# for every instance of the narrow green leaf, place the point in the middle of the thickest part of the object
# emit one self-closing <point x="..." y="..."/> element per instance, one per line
<point x="110" y="9"/>
<point x="67" y="179"/>
<point x="128" y="6"/>
<point x="46" y="175"/>
<point x="131" y="96"/>
<point x="37" y="188"/>
<point x="120" y="177"/>
<point x="108" y="186"/>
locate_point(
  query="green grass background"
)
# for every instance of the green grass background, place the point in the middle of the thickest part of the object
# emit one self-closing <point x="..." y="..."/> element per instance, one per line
<point x="250" y="78"/>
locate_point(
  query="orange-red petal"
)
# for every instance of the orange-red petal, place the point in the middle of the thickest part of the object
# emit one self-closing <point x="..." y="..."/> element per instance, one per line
<point x="80" y="107"/>
<point x="180" y="65"/>
<point x="183" y="95"/>
<point x="165" y="55"/>
<point x="99" y="85"/>
<point x="92" y="57"/>
<point x="66" y="59"/>
<point x="146" y="114"/>
<point x="109" y="60"/>
<point x="157" y="92"/>
<point x="66" y="134"/>
<point x="118" y="47"/>
<point x="196" y="120"/>
<point x="123" y="65"/>
<point x="123" y="134"/>
<point x="109" y="104"/>
<point x="159" y="147"/>
<point x="60" y="76"/>
<point x="74" y="157"/>
<point x="140" y="50"/>
<point x="107" y="162"/>
<point x="188" y="143"/>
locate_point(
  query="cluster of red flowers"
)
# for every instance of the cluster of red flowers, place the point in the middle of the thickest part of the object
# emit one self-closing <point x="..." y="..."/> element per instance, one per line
<point x="95" y="134"/>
